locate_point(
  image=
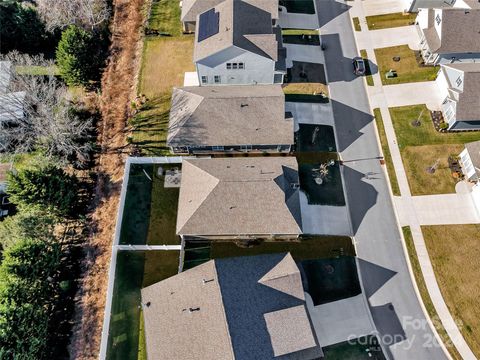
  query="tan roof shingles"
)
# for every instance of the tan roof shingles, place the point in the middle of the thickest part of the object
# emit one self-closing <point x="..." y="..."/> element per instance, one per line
<point x="460" y="32"/>
<point x="253" y="196"/>
<point x="229" y="116"/>
<point x="174" y="332"/>
<point x="192" y="8"/>
<point x="468" y="104"/>
<point x="236" y="19"/>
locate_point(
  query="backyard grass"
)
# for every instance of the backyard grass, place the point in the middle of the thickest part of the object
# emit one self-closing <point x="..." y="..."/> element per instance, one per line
<point x="165" y="60"/>
<point x="385" y="21"/>
<point x="306" y="88"/>
<point x="134" y="269"/>
<point x="416" y="160"/>
<point x="368" y="71"/>
<point x="364" y="348"/>
<point x="422" y="288"/>
<point x="356" y="24"/>
<point x="408" y="69"/>
<point x="324" y="139"/>
<point x="386" y="152"/>
<point x="164" y="17"/>
<point x="454" y="251"/>
<point x="299" y="6"/>
<point x="425" y="134"/>
<point x="421" y="146"/>
<point x="163" y="212"/>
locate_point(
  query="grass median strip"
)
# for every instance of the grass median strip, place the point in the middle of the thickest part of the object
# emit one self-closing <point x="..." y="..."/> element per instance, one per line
<point x="422" y="288"/>
<point x="368" y="70"/>
<point x="407" y="67"/>
<point x="386" y="152"/>
<point x="392" y="20"/>
<point x="356" y="24"/>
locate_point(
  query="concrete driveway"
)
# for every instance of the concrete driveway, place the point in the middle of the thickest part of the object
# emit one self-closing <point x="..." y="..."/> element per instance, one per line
<point x="311" y="113"/>
<point x="426" y="92"/>
<point x="305" y="53"/>
<point x="378" y="7"/>
<point x="323" y="219"/>
<point x="404" y="35"/>
<point x="445" y="209"/>
<point x="340" y="320"/>
<point x="297" y="21"/>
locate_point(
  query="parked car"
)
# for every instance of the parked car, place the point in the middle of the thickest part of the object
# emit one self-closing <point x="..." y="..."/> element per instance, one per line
<point x="359" y="66"/>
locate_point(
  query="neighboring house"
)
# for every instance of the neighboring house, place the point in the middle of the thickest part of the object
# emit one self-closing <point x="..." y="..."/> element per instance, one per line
<point x="460" y="84"/>
<point x="192" y="8"/>
<point x="207" y="119"/>
<point x="236" y="44"/>
<point x="416" y="5"/>
<point x="470" y="161"/>
<point x="250" y="307"/>
<point x="239" y="198"/>
<point x="12" y="104"/>
<point x="449" y="35"/>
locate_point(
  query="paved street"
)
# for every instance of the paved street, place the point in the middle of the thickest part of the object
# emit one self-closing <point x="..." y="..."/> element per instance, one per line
<point x="383" y="268"/>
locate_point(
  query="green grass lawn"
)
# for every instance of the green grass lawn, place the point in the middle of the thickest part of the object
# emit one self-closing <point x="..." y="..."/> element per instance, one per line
<point x="299" y="6"/>
<point x="356" y="24"/>
<point x="386" y="152"/>
<point x="165" y="60"/>
<point x="408" y="69"/>
<point x="454" y="251"/>
<point x="422" y="147"/>
<point x="364" y="348"/>
<point x="330" y="280"/>
<point x="427" y="301"/>
<point x="385" y="21"/>
<point x="164" y="17"/>
<point x="299" y="32"/>
<point x="368" y="71"/>
<point x="134" y="270"/>
<point x="150" y="210"/>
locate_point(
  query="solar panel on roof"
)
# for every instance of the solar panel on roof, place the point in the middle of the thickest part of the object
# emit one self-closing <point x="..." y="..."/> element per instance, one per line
<point x="208" y="25"/>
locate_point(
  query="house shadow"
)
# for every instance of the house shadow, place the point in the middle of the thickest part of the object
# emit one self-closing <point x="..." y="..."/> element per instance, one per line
<point x="361" y="195"/>
<point x="349" y="123"/>
<point x="327" y="13"/>
<point x="375" y="276"/>
<point x="342" y="69"/>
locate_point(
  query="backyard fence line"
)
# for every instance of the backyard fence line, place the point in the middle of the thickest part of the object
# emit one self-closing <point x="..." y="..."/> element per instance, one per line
<point x="131" y="247"/>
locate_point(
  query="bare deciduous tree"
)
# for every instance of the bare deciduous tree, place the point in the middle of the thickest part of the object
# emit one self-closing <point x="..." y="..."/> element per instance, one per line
<point x="58" y="14"/>
<point x="36" y="115"/>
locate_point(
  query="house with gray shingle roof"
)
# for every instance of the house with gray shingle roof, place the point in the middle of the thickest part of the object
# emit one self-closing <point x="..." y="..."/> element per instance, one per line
<point x="449" y="35"/>
<point x="206" y="119"/>
<point x="242" y="308"/>
<point x="236" y="44"/>
<point x="415" y="5"/>
<point x="192" y="8"/>
<point x="239" y="198"/>
<point x="470" y="160"/>
<point x="460" y="85"/>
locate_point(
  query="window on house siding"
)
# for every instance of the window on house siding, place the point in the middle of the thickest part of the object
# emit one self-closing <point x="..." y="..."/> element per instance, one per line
<point x="229" y="66"/>
<point x="438" y="19"/>
<point x="217" y="79"/>
<point x="241" y="65"/>
<point x="459" y="81"/>
<point x="234" y="65"/>
<point x="204" y="79"/>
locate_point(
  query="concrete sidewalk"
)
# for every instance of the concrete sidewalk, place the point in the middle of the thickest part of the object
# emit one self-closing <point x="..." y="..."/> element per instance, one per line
<point x="379" y="7"/>
<point x="405" y="35"/>
<point x="408" y="206"/>
<point x="426" y="92"/>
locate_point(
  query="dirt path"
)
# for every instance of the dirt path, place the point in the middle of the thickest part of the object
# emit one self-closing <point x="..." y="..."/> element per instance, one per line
<point x="118" y="88"/>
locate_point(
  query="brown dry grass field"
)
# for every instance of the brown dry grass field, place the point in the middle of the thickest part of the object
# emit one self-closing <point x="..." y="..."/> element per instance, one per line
<point x="455" y="252"/>
<point x="392" y="20"/>
<point x="305" y="88"/>
<point x="417" y="159"/>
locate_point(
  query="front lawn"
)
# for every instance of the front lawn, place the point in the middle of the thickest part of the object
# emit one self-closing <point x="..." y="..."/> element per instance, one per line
<point x="408" y="69"/>
<point x="422" y="146"/>
<point x="330" y="280"/>
<point x="416" y="160"/>
<point x="454" y="251"/>
<point x="422" y="288"/>
<point x="425" y="134"/>
<point x="386" y="152"/>
<point x="385" y="21"/>
<point x="134" y="270"/>
<point x="299" y="6"/>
